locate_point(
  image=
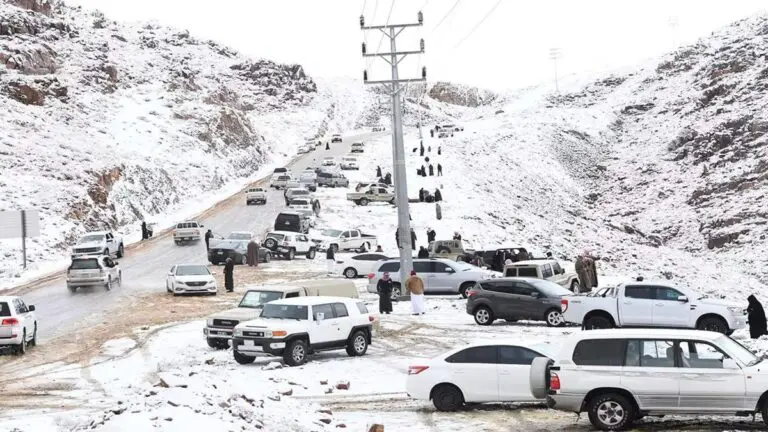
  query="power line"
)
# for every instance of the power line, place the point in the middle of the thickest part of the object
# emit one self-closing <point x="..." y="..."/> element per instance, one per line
<point x="490" y="12"/>
<point x="389" y="15"/>
<point x="446" y="15"/>
<point x="364" y="3"/>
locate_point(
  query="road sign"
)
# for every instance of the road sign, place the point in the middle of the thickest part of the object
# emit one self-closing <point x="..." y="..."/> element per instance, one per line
<point x="11" y="225"/>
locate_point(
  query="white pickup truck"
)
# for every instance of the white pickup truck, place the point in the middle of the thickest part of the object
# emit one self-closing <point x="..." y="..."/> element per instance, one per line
<point x="647" y="304"/>
<point x="188" y="231"/>
<point x="345" y="240"/>
<point x="99" y="243"/>
<point x="256" y="195"/>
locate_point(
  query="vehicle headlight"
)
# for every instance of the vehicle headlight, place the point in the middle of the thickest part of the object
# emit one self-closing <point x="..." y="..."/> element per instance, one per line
<point x="209" y="322"/>
<point x="736" y="310"/>
<point x="238" y="332"/>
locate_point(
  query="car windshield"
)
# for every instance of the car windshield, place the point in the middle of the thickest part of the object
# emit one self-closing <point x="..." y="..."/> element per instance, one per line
<point x="284" y="178"/>
<point x="239" y="236"/>
<point x="278" y="237"/>
<point x="256" y="190"/>
<point x="256" y="299"/>
<point x="231" y="245"/>
<point x="187" y="225"/>
<point x="331" y="233"/>
<point x="281" y="311"/>
<point x="192" y="270"/>
<point x="86" y="264"/>
<point x="738" y="351"/>
<point x="92" y="238"/>
<point x="299" y="202"/>
<point x="551" y="289"/>
<point x="299" y="192"/>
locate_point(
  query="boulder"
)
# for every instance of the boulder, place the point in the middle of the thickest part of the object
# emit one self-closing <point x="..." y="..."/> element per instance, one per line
<point x="39" y="6"/>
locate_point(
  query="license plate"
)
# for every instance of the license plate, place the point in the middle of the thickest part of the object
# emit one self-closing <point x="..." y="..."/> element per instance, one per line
<point x="220" y="253"/>
<point x="249" y="343"/>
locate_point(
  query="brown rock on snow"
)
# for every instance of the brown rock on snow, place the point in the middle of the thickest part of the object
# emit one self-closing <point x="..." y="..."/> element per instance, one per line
<point x="25" y="94"/>
<point x="341" y="425"/>
<point x="39" y="6"/>
<point x="376" y="428"/>
<point x="342" y="385"/>
<point x="323" y="382"/>
<point x="287" y="392"/>
<point x="325" y="420"/>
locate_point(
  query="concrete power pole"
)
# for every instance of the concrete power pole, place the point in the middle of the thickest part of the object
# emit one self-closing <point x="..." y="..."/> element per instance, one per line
<point x="394" y="57"/>
<point x="554" y="54"/>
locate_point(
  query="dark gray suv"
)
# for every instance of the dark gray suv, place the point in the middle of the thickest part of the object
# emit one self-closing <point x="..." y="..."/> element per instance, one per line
<point x="514" y="299"/>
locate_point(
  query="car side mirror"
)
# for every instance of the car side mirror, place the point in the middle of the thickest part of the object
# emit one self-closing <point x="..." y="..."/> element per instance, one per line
<point x="729" y="363"/>
<point x="170" y="273"/>
<point x="535" y="294"/>
<point x="682" y="299"/>
<point x="320" y="316"/>
<point x="31" y="308"/>
<point x="449" y="270"/>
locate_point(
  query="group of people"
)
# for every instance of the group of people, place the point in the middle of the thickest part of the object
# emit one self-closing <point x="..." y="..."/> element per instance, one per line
<point x="425" y="196"/>
<point x="414" y="286"/>
<point x="586" y="270"/>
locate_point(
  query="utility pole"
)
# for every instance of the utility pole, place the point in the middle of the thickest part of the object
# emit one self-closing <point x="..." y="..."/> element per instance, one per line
<point x="673" y="24"/>
<point x="394" y="57"/>
<point x="554" y="54"/>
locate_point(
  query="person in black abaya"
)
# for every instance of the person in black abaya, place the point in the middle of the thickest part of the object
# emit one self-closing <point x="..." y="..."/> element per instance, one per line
<point x="327" y="146"/>
<point x="144" y="232"/>
<point x="384" y="289"/>
<point x="756" y="318"/>
<point x="431" y="170"/>
<point x="229" y="268"/>
<point x="378" y="171"/>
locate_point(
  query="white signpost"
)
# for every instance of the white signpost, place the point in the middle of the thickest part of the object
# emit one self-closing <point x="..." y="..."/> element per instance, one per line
<point x="15" y="224"/>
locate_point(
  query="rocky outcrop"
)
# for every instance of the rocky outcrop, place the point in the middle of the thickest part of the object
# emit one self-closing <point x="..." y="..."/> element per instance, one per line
<point x="34" y="92"/>
<point x="39" y="6"/>
<point x="29" y="59"/>
<point x="287" y="83"/>
<point x="461" y="95"/>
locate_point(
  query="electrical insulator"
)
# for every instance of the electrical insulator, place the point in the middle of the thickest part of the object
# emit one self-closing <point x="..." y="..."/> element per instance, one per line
<point x="365" y="76"/>
<point x="422" y="45"/>
<point x="364" y="48"/>
<point x="421" y="18"/>
<point x="362" y="21"/>
<point x="424" y="72"/>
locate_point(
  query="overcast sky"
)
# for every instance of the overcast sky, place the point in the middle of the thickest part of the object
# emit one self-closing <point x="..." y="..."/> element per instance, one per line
<point x="509" y="49"/>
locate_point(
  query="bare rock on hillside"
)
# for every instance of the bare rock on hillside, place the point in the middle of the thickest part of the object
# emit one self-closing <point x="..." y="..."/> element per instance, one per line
<point x="28" y="58"/>
<point x="39" y="6"/>
<point x="461" y="95"/>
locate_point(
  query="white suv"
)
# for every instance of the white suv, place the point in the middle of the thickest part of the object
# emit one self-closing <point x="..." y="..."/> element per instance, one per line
<point x="297" y="327"/>
<point x="90" y="271"/>
<point x="256" y="195"/>
<point x="18" y="324"/>
<point x="288" y="244"/>
<point x="621" y="375"/>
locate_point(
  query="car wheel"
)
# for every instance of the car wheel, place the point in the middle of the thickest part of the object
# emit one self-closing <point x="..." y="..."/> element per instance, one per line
<point x="33" y="341"/>
<point x="295" y="353"/>
<point x="483" y="316"/>
<point x="120" y="251"/>
<point x="447" y="397"/>
<point x="22" y="348"/>
<point x="350" y="273"/>
<point x="291" y="254"/>
<point x="464" y="288"/>
<point x="217" y="343"/>
<point x="242" y="358"/>
<point x="311" y="254"/>
<point x="575" y="286"/>
<point x="243" y="260"/>
<point x="396" y="292"/>
<point x="363" y="201"/>
<point x="554" y="318"/>
<point x="357" y="345"/>
<point x="711" y="323"/>
<point x="72" y="288"/>
<point x="610" y="411"/>
<point x="596" y="323"/>
<point x="270" y="244"/>
<point x="267" y="257"/>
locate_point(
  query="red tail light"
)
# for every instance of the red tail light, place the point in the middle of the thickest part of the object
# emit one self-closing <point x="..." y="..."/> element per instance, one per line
<point x="10" y="322"/>
<point x="554" y="381"/>
<point x="470" y="293"/>
<point x="563" y="305"/>
<point x="285" y="243"/>
<point x="371" y="275"/>
<point x="415" y="370"/>
<point x="371" y="318"/>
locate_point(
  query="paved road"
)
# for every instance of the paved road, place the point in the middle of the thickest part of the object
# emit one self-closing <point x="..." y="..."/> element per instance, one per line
<point x="145" y="267"/>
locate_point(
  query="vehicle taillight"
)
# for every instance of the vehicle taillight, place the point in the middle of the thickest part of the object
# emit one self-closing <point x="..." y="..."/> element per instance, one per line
<point x="471" y="292"/>
<point x="371" y="275"/>
<point x="10" y="322"/>
<point x="285" y="243"/>
<point x="563" y="305"/>
<point x="554" y="381"/>
<point x="415" y="370"/>
<point x="371" y="318"/>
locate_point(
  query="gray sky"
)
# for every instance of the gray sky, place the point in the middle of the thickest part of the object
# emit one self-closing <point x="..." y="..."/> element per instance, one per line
<point x="509" y="50"/>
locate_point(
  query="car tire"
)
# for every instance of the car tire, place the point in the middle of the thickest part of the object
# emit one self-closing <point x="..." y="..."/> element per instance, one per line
<point x="357" y="345"/>
<point x="538" y="377"/>
<point x="22" y="348"/>
<point x="311" y="254"/>
<point x="610" y="412"/>
<point x="464" y="288"/>
<point x="597" y="322"/>
<point x="270" y="244"/>
<point x="291" y="254"/>
<point x="554" y="318"/>
<point x="33" y="341"/>
<point x="295" y="353"/>
<point x="267" y="257"/>
<point x="350" y="273"/>
<point x="396" y="292"/>
<point x="242" y="358"/>
<point x="363" y="201"/>
<point x="243" y="260"/>
<point x="120" y="251"/>
<point x="71" y="288"/>
<point x="575" y="287"/>
<point x="447" y="397"/>
<point x="217" y="343"/>
<point x="713" y="323"/>
<point x="483" y="316"/>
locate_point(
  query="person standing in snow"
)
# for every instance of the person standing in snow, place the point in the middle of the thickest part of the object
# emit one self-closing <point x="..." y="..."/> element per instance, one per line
<point x="327" y="146"/>
<point x="252" y="257"/>
<point x="415" y="287"/>
<point x="423" y="252"/>
<point x="144" y="232"/>
<point x="384" y="289"/>
<point x="378" y="171"/>
<point x="379" y="248"/>
<point x="388" y="179"/>
<point x="431" y="133"/>
<point x="439" y="170"/>
<point x="229" y="270"/>
<point x="431" y="235"/>
<point x="756" y="318"/>
<point x="330" y="259"/>
<point x="429" y="149"/>
<point x="431" y="170"/>
<point x="397" y="238"/>
<point x="208" y="237"/>
<point x="421" y="149"/>
<point x="422" y="192"/>
<point x="413" y="239"/>
<point x="438" y="195"/>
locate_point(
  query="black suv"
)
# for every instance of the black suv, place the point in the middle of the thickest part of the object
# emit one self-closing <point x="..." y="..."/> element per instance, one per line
<point x="292" y="221"/>
<point x="514" y="299"/>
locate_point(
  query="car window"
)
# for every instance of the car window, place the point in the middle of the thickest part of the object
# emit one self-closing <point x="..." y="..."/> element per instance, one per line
<point x="650" y="353"/>
<point x="281" y="311"/>
<point x="256" y="299"/>
<point x="546" y="271"/>
<point x="480" y="354"/>
<point x="599" y="352"/>
<point x="21" y="308"/>
<point x="527" y="272"/>
<point x="520" y="288"/>
<point x="639" y="292"/>
<point x="441" y="268"/>
<point x="701" y="355"/>
<point x="493" y="286"/>
<point x="324" y="309"/>
<point x="510" y="272"/>
<point x="424" y="267"/>
<point x="5" y="310"/>
<point x="667" y="294"/>
<point x="382" y="191"/>
<point x="291" y="295"/>
<point x="391" y="267"/>
<point x="516" y="355"/>
<point x="556" y="268"/>
<point x="85" y="264"/>
<point x="340" y="310"/>
<point x="362" y="308"/>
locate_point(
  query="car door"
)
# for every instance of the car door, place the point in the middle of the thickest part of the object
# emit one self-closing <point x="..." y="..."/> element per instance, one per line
<point x="110" y="242"/>
<point x="325" y="331"/>
<point x="636" y="307"/>
<point x="473" y="370"/>
<point x="650" y="372"/>
<point x="342" y="321"/>
<point x="354" y="239"/>
<point x="513" y="371"/>
<point x="668" y="311"/>
<point x="558" y="275"/>
<point x="29" y="324"/>
<point x="302" y="243"/>
<point x="526" y="301"/>
<point x="705" y="383"/>
<point x="427" y="271"/>
<point x="503" y="297"/>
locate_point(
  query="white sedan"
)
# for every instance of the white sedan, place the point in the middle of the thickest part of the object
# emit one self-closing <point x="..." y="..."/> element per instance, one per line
<point x="359" y="265"/>
<point x="494" y="371"/>
<point x="190" y="278"/>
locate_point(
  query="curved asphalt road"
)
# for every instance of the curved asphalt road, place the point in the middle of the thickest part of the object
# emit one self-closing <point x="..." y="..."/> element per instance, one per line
<point x="145" y="266"/>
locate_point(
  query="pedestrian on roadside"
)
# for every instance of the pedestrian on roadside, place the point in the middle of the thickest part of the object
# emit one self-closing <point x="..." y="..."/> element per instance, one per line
<point x="253" y="253"/>
<point x="144" y="233"/>
<point x="423" y="252"/>
<point x="378" y="171"/>
<point x="421" y="194"/>
<point x="415" y="287"/>
<point x="439" y="170"/>
<point x="439" y="150"/>
<point x="413" y="239"/>
<point x="229" y="269"/>
<point x="421" y="149"/>
<point x="431" y="133"/>
<point x="431" y="235"/>
<point x="431" y="170"/>
<point x="429" y="149"/>
<point x="208" y="237"/>
<point x="438" y="195"/>
<point x="756" y="318"/>
<point x="330" y="259"/>
<point x="327" y="146"/>
<point x="384" y="289"/>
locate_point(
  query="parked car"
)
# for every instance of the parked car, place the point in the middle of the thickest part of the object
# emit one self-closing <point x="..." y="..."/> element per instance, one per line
<point x="237" y="250"/>
<point x="621" y="375"/>
<point x="336" y="138"/>
<point x="190" y="279"/>
<point x="513" y="299"/>
<point x="239" y="235"/>
<point x="294" y="328"/>
<point x="359" y="265"/>
<point x="366" y="186"/>
<point x="544" y="269"/>
<point x="95" y="270"/>
<point x="297" y="204"/>
<point x="18" y="324"/>
<point x="281" y="181"/>
<point x="308" y="180"/>
<point x="219" y="327"/>
<point x="297" y="192"/>
<point x="99" y="242"/>
<point x="378" y="129"/>
<point x="490" y="371"/>
<point x="649" y="304"/>
<point x="189" y="231"/>
<point x="353" y="239"/>
<point x="279" y="171"/>
<point x="357" y="147"/>
<point x="256" y="195"/>
<point x="488" y="255"/>
<point x="449" y="128"/>
<point x="329" y="161"/>
<point x="287" y="244"/>
<point x="332" y="179"/>
<point x="349" y="163"/>
<point x="444" y="134"/>
<point x="440" y="275"/>
<point x="373" y="194"/>
<point x="291" y="221"/>
<point x="449" y="249"/>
